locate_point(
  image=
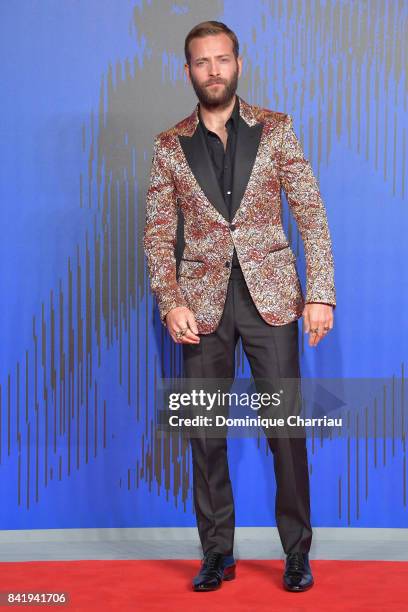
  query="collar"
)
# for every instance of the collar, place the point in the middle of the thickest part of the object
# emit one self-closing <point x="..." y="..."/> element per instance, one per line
<point x="251" y="114"/>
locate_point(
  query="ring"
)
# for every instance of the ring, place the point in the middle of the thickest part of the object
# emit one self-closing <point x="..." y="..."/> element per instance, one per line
<point x="314" y="331"/>
<point x="181" y="332"/>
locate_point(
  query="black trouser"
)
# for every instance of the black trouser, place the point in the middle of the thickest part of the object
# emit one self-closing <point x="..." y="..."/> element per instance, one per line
<point x="272" y="352"/>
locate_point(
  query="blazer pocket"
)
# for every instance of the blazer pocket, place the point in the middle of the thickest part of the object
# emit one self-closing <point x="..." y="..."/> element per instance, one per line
<point x="278" y="258"/>
<point x="192" y="268"/>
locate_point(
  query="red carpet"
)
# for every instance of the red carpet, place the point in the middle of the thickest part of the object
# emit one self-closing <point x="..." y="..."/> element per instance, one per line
<point x="165" y="585"/>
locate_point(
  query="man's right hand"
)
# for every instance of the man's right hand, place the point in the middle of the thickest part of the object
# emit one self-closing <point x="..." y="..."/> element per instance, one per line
<point x="179" y="318"/>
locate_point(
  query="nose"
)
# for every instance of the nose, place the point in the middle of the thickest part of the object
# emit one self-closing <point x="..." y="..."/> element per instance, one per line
<point x="214" y="69"/>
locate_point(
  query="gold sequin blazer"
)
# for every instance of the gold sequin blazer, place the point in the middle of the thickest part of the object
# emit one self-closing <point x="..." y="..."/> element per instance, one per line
<point x="268" y="157"/>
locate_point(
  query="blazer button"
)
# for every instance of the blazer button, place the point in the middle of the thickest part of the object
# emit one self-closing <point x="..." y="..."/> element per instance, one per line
<point x="232" y="227"/>
<point x="227" y="264"/>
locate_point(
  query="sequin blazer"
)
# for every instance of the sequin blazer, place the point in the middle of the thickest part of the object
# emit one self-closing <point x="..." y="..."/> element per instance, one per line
<point x="268" y="157"/>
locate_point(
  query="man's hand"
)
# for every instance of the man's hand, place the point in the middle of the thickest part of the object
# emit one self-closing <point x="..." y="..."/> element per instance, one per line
<point x="178" y="319"/>
<point x="318" y="320"/>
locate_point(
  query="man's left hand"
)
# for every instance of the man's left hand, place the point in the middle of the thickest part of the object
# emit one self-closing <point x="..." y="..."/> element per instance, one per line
<point x="318" y="321"/>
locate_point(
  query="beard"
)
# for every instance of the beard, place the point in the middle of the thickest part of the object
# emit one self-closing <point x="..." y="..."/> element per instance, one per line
<point x="216" y="97"/>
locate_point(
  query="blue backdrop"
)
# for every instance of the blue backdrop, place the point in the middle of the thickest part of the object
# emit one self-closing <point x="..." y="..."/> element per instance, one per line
<point x="85" y="87"/>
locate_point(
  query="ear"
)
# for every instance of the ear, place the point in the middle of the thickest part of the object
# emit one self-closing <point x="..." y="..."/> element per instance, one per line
<point x="239" y="60"/>
<point x="187" y="71"/>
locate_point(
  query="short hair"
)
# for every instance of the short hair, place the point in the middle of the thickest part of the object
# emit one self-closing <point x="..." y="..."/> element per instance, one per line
<point x="208" y="28"/>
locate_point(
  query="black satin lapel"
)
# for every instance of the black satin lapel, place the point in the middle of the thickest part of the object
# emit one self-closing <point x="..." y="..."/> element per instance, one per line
<point x="248" y="139"/>
<point x="198" y="158"/>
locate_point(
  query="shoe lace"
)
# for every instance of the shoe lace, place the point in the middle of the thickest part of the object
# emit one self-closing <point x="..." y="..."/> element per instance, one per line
<point x="295" y="563"/>
<point x="211" y="559"/>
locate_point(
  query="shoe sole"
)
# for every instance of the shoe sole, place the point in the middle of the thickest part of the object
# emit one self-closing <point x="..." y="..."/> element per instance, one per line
<point x="230" y="575"/>
<point x="297" y="590"/>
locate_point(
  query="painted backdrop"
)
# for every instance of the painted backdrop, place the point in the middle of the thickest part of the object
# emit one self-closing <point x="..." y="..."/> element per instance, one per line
<point x="85" y="87"/>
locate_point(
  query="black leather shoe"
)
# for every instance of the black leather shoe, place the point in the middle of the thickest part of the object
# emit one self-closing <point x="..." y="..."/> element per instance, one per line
<point x="215" y="568"/>
<point x="298" y="574"/>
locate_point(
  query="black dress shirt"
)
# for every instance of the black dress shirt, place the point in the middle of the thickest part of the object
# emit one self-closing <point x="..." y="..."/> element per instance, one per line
<point x="223" y="159"/>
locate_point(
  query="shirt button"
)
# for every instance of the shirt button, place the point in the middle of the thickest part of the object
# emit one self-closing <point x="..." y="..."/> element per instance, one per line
<point x="227" y="264"/>
<point x="232" y="227"/>
<point x="228" y="193"/>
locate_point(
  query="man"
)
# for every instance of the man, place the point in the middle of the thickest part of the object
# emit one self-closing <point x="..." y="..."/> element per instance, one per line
<point x="224" y="166"/>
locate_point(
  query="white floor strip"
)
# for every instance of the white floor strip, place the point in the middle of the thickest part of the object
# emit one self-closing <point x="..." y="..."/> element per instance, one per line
<point x="183" y="543"/>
